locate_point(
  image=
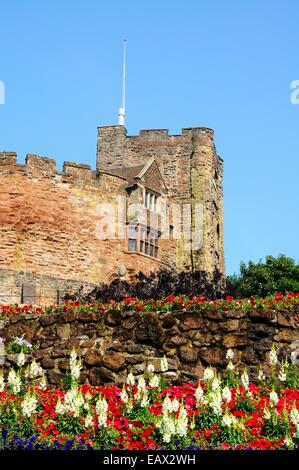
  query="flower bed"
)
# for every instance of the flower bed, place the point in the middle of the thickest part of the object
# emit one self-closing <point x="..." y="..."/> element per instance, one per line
<point x="214" y="413"/>
<point x="277" y="302"/>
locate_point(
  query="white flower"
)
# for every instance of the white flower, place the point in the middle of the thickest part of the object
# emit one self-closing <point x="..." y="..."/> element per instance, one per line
<point x="164" y="364"/>
<point x="227" y="420"/>
<point x="88" y="421"/>
<point x="226" y="394"/>
<point x="215" y="401"/>
<point x="151" y="368"/>
<point x="14" y="380"/>
<point x="124" y="396"/>
<point x="230" y="366"/>
<point x="154" y="381"/>
<point x="216" y="382"/>
<point x="289" y="442"/>
<point x="273" y="356"/>
<point x="76" y="367"/>
<point x="73" y="356"/>
<point x="29" y="405"/>
<point x="267" y="413"/>
<point x="131" y="379"/>
<point x="294" y="415"/>
<point x="261" y="375"/>
<point x="230" y="354"/>
<point x="102" y="411"/>
<point x="59" y="408"/>
<point x="166" y="405"/>
<point x="273" y="396"/>
<point x="43" y="382"/>
<point x="2" y="382"/>
<point x="208" y="373"/>
<point x="144" y="400"/>
<point x="35" y="370"/>
<point x="282" y="376"/>
<point x="199" y="394"/>
<point x="245" y="379"/>
<point x="175" y="404"/>
<point x="21" y="359"/>
<point x="182" y="422"/>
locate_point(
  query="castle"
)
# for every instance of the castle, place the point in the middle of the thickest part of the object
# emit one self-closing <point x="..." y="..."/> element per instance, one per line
<point x="154" y="202"/>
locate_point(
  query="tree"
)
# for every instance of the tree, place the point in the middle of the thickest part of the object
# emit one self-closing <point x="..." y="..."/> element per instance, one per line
<point x="279" y="274"/>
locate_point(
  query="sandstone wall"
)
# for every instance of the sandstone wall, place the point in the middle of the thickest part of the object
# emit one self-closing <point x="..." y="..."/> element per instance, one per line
<point x="53" y="228"/>
<point x="111" y="344"/>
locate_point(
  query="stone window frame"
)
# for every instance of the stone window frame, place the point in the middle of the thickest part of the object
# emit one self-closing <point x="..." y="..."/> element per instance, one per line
<point x="150" y="198"/>
<point x="143" y="240"/>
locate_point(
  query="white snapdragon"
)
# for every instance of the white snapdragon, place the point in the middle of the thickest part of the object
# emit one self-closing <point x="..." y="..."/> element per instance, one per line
<point x="208" y="374"/>
<point x="216" y="383"/>
<point x="226" y="394"/>
<point x="175" y="404"/>
<point x="182" y="422"/>
<point x="294" y="415"/>
<point x="227" y="420"/>
<point x="164" y="364"/>
<point x="73" y="401"/>
<point x="154" y="381"/>
<point x="267" y="413"/>
<point x="273" y="359"/>
<point x="35" y="370"/>
<point x="261" y="376"/>
<point x="273" y="397"/>
<point x="144" y="399"/>
<point x="166" y="405"/>
<point x="43" y="382"/>
<point x="131" y="379"/>
<point x="88" y="422"/>
<point x="230" y="366"/>
<point x="60" y="408"/>
<point x="199" y="394"/>
<point x="14" y="380"/>
<point x="167" y="426"/>
<point x="29" y="405"/>
<point x="215" y="401"/>
<point x="21" y="359"/>
<point x="282" y="376"/>
<point x="151" y="368"/>
<point x="289" y="442"/>
<point x="2" y="382"/>
<point x="124" y="396"/>
<point x="102" y="412"/>
<point x="230" y="354"/>
<point x="245" y="379"/>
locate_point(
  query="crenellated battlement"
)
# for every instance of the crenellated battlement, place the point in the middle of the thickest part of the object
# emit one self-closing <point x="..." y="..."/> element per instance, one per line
<point x="45" y="166"/>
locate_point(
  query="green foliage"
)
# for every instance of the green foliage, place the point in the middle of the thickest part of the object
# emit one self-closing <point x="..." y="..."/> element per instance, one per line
<point x="105" y="438"/>
<point x="206" y="419"/>
<point x="138" y="413"/>
<point x="244" y="404"/>
<point x="279" y="274"/>
<point x="15" y="347"/>
<point x="276" y="427"/>
<point x="70" y="425"/>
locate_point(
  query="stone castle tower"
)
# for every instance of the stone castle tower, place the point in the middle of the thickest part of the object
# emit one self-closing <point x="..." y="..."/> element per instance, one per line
<point x="193" y="173"/>
<point x="153" y="202"/>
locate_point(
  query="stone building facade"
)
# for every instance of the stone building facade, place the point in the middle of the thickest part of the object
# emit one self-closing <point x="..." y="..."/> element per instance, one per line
<point x="153" y="202"/>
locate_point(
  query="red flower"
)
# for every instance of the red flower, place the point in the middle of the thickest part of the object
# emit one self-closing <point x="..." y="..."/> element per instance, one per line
<point x="225" y="445"/>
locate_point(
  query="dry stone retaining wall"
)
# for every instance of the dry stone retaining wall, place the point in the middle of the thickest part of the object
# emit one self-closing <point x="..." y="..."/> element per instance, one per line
<point x="116" y="342"/>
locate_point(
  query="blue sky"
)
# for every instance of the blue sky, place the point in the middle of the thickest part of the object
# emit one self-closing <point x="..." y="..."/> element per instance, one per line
<point x="221" y="64"/>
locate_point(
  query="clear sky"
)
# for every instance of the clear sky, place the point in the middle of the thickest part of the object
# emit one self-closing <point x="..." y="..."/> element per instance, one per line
<point x="225" y="64"/>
